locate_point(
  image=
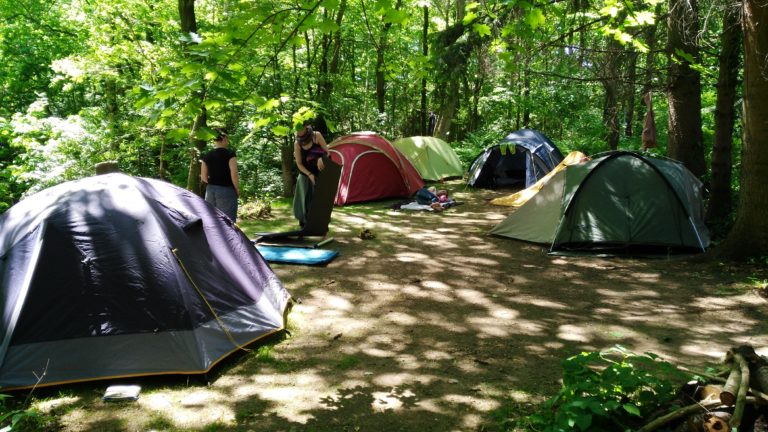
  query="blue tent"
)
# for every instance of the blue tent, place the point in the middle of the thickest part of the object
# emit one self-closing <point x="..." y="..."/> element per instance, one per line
<point x="520" y="159"/>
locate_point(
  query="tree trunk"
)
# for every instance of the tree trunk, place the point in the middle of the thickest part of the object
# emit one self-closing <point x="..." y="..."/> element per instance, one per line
<point x="650" y="61"/>
<point x="629" y="111"/>
<point x="526" y="95"/>
<point x="447" y="110"/>
<point x="189" y="25"/>
<point x="749" y="235"/>
<point x="719" y="207"/>
<point x="286" y="161"/>
<point x="684" y="87"/>
<point x="425" y="53"/>
<point x="611" y="103"/>
<point x="381" y="48"/>
<point x="611" y="113"/>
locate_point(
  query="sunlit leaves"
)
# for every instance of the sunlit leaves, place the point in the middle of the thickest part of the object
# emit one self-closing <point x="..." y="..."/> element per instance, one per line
<point x="281" y="130"/>
<point x="269" y="105"/>
<point x="642" y="18"/>
<point x="481" y="29"/>
<point x="395" y="16"/>
<point x="535" y="18"/>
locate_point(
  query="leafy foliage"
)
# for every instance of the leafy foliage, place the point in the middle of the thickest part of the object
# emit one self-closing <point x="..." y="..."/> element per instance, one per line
<point x="608" y="391"/>
<point x="15" y="418"/>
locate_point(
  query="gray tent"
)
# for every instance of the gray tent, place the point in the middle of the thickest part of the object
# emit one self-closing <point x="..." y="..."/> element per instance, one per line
<point x="618" y="200"/>
<point x="116" y="276"/>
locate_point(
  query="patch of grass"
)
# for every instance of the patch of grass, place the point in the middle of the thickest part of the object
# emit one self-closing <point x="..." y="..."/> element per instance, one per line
<point x="510" y="416"/>
<point x="215" y="427"/>
<point x="159" y="422"/>
<point x="348" y="362"/>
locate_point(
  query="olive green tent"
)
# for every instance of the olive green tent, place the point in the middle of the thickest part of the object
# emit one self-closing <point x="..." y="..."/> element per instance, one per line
<point x="433" y="158"/>
<point x="618" y="200"/>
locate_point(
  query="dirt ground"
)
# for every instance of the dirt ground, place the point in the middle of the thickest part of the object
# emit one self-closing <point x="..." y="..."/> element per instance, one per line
<point x="435" y="326"/>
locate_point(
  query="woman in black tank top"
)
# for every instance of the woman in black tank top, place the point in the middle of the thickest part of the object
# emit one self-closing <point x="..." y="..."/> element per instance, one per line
<point x="308" y="152"/>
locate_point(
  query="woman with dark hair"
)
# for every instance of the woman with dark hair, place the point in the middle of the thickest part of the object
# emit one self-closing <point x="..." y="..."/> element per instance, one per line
<point x="308" y="152"/>
<point x="219" y="171"/>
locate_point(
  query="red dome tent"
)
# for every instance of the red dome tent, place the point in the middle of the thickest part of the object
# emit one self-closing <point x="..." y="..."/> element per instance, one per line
<point x="372" y="168"/>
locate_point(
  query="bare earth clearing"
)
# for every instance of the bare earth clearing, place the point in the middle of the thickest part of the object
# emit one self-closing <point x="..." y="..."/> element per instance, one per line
<point x="435" y="326"/>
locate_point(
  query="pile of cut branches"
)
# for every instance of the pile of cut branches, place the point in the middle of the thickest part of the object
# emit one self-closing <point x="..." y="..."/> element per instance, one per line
<point x="734" y="400"/>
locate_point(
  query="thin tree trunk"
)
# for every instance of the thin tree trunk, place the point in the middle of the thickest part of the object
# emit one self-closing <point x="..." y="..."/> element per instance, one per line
<point x="719" y="207"/>
<point x="611" y="103"/>
<point x="684" y="87"/>
<point x="189" y="25"/>
<point x="381" y="48"/>
<point x="629" y="111"/>
<point x="448" y="110"/>
<point x="425" y="53"/>
<point x="749" y="235"/>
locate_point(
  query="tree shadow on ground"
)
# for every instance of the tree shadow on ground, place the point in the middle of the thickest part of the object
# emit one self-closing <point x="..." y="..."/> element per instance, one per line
<point x="435" y="326"/>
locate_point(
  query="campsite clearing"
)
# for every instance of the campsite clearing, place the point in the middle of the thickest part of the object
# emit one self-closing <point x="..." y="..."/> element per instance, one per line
<point x="433" y="325"/>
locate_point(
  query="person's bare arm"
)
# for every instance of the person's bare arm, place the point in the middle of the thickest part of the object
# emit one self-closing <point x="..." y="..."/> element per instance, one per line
<point x="300" y="166"/>
<point x="321" y="141"/>
<point x="234" y="174"/>
<point x="204" y="172"/>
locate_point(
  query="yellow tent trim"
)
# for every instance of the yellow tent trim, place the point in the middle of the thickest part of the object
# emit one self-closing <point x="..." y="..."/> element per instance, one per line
<point x="519" y="198"/>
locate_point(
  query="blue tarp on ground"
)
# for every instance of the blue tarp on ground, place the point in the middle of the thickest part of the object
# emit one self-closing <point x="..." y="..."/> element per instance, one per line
<point x="296" y="255"/>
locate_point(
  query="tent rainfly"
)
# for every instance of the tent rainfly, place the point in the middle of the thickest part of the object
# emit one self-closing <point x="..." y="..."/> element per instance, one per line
<point x="371" y="169"/>
<point x="520" y="159"/>
<point x="617" y="201"/>
<point x="116" y="276"/>
<point x="432" y="157"/>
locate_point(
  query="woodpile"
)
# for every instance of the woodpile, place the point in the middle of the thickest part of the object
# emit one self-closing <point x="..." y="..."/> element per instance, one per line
<point x="735" y="400"/>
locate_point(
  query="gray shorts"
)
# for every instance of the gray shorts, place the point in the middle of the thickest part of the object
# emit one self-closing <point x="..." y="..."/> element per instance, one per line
<point x="223" y="198"/>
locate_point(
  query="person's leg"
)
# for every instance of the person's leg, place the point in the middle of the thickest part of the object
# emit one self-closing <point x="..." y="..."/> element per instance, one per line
<point x="228" y="202"/>
<point x="299" y="199"/>
<point x="223" y="198"/>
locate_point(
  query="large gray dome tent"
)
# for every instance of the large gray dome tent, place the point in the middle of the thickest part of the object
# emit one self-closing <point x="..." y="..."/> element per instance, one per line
<point x="520" y="159"/>
<point x="616" y="201"/>
<point x="116" y="276"/>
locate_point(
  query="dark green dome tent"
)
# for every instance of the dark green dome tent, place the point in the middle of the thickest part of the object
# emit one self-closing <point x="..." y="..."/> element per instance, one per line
<point x="521" y="159"/>
<point x="616" y="201"/>
<point x="116" y="276"/>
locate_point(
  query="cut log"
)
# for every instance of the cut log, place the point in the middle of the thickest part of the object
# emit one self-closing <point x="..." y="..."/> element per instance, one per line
<point x="679" y="414"/>
<point x="731" y="387"/>
<point x="741" y="398"/>
<point x="716" y="422"/>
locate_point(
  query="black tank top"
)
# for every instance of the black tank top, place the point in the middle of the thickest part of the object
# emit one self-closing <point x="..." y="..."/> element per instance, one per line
<point x="218" y="166"/>
<point x="310" y="156"/>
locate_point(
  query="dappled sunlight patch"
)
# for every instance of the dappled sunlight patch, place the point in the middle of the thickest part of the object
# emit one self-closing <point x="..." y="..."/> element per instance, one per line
<point x="384" y="401"/>
<point x="489" y="326"/>
<point x="528" y="328"/>
<point x="504" y="313"/>
<point x="399" y="379"/>
<point x="334" y="301"/>
<point x="574" y="333"/>
<point x="400" y="318"/>
<point x="548" y="304"/>
<point x="439" y="321"/>
<point x="410" y="257"/>
<point x="435" y="285"/>
<point x="474" y="297"/>
<point x="554" y="345"/>
<point x="466" y="401"/>
<point x="435" y="355"/>
<point x="376" y="352"/>
<point x="190" y="410"/>
<point x="51" y="404"/>
<point x="420" y="292"/>
<point x="730" y="302"/>
<point x="704" y="348"/>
